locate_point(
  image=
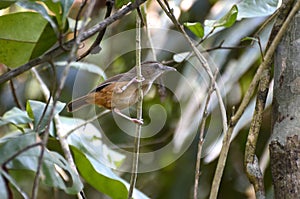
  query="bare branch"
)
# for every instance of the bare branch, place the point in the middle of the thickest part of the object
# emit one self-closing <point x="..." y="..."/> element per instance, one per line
<point x="72" y="57"/>
<point x="139" y="113"/>
<point x="15" y="96"/>
<point x="201" y="136"/>
<point x="95" y="46"/>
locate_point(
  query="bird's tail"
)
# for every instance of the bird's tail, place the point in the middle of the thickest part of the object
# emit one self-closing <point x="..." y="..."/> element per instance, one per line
<point x="77" y="104"/>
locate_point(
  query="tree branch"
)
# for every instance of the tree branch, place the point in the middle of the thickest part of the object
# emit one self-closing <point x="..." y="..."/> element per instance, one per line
<point x="137" y="140"/>
<point x="71" y="57"/>
<point x="234" y="119"/>
<point x="95" y="48"/>
<point x="201" y="136"/>
<point x="58" y="50"/>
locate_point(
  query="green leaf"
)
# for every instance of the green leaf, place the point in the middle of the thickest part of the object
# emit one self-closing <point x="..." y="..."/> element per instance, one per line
<point x="120" y="3"/>
<point x="195" y="28"/>
<point x="99" y="176"/>
<point x="61" y="10"/>
<point x="35" y="110"/>
<point x="226" y="21"/>
<point x="66" y="6"/>
<point x="6" y="3"/>
<point x="28" y="160"/>
<point x="84" y="66"/>
<point x="42" y="46"/>
<point x="88" y="140"/>
<point x="250" y="8"/>
<point x="90" y="154"/>
<point x="21" y="36"/>
<point x="42" y="10"/>
<point x="15" y="116"/>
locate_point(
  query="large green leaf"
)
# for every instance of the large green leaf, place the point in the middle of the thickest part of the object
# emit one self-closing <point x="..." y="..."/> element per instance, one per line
<point x="35" y="110"/>
<point x="99" y="176"/>
<point x="15" y="116"/>
<point x="40" y="9"/>
<point x="257" y="8"/>
<point x="28" y="160"/>
<point x="87" y="148"/>
<point x="94" y="159"/>
<point x="20" y="37"/>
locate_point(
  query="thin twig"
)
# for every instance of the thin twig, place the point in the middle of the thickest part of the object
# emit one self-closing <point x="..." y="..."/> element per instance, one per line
<point x="94" y="48"/>
<point x="9" y="179"/>
<point x="251" y="162"/>
<point x="72" y="57"/>
<point x="47" y="95"/>
<point x="16" y="99"/>
<point x="83" y="4"/>
<point x="62" y="141"/>
<point x="58" y="50"/>
<point x="20" y="152"/>
<point x="201" y="136"/>
<point x="245" y="101"/>
<point x="139" y="113"/>
<point x="85" y="123"/>
<point x="200" y="58"/>
<point x="149" y="37"/>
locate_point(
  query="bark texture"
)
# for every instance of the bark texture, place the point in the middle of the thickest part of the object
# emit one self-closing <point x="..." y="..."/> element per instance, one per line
<point x="285" y="144"/>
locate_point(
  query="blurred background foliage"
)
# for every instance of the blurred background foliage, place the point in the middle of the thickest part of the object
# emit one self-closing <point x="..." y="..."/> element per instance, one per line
<point x="236" y="66"/>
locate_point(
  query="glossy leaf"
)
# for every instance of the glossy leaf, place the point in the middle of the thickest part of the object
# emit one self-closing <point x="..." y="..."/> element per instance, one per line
<point x="35" y="110"/>
<point x="42" y="10"/>
<point x="21" y="37"/>
<point x="28" y="160"/>
<point x="99" y="176"/>
<point x="94" y="159"/>
<point x="15" y="116"/>
<point x="226" y="21"/>
<point x="85" y="66"/>
<point x="250" y="8"/>
<point x="61" y="10"/>
<point x="195" y="28"/>
<point x="66" y="6"/>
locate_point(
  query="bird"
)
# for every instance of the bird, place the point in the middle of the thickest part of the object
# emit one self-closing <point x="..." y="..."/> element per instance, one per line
<point x="121" y="91"/>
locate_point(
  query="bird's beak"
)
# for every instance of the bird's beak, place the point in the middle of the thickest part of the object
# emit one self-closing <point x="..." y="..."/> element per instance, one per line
<point x="168" y="68"/>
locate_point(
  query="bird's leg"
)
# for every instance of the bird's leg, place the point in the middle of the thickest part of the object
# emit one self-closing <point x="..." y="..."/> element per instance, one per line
<point x="133" y="80"/>
<point x="134" y="120"/>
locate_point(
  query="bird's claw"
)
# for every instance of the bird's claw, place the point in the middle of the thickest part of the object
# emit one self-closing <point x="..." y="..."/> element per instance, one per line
<point x="137" y="121"/>
<point x="139" y="80"/>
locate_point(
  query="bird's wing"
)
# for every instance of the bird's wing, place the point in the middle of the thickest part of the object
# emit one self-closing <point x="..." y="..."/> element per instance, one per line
<point x="110" y="80"/>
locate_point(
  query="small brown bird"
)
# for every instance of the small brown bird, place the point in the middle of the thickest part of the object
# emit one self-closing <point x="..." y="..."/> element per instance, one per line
<point x="121" y="91"/>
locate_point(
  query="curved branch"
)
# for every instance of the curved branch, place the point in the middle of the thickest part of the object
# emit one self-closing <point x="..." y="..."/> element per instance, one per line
<point x="58" y="50"/>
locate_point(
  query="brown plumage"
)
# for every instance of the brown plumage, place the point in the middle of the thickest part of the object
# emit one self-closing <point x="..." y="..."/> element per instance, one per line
<point x="120" y="91"/>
